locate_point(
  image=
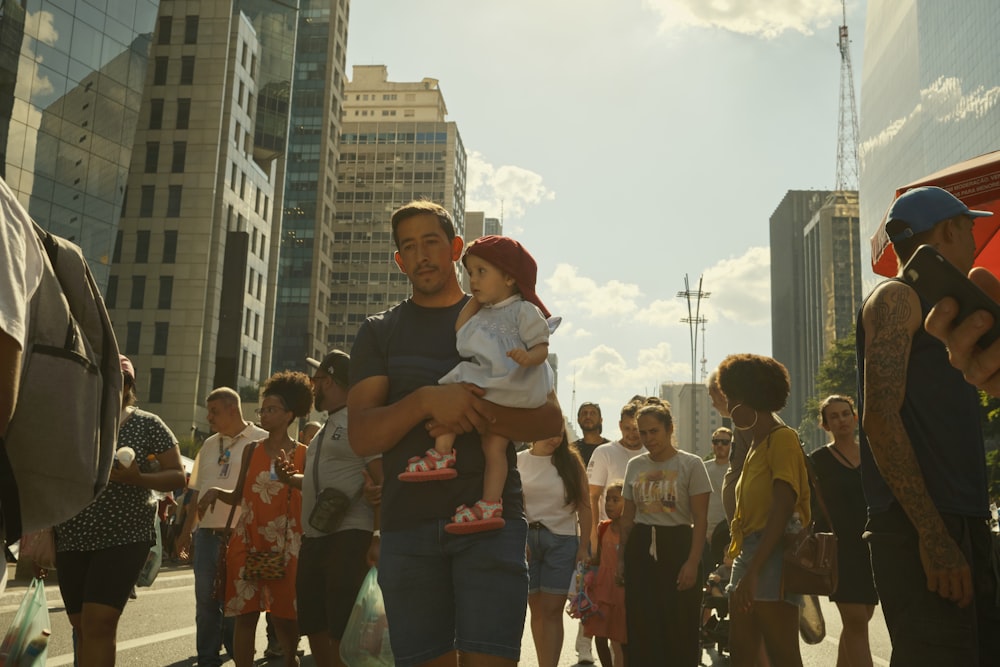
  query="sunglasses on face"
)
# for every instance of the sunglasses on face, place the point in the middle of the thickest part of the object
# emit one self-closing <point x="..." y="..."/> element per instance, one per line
<point x="720" y="441"/>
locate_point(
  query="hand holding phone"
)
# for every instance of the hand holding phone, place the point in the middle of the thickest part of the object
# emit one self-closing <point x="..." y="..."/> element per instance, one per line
<point x="933" y="278"/>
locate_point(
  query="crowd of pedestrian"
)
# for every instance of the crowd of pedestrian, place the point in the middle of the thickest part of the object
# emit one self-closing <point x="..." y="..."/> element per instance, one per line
<point x="288" y="525"/>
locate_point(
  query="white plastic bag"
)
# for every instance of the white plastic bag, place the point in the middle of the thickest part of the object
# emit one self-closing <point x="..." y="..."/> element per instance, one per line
<point x="154" y="560"/>
<point x="30" y="619"/>
<point x="366" y="637"/>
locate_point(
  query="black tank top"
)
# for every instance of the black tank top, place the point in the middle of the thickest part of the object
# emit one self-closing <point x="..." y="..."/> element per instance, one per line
<point x="941" y="415"/>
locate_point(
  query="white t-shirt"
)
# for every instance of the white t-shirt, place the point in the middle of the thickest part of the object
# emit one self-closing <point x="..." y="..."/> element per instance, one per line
<point x="340" y="468"/>
<point x="21" y="264"/>
<point x="218" y="463"/>
<point x="607" y="464"/>
<point x="662" y="490"/>
<point x="545" y="494"/>
<point x="716" y="510"/>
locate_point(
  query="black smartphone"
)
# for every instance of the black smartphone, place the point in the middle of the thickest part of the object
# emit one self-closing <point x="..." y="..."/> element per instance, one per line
<point x="934" y="277"/>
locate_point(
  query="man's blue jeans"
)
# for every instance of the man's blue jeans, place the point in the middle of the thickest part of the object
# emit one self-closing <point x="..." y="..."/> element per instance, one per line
<point x="213" y="629"/>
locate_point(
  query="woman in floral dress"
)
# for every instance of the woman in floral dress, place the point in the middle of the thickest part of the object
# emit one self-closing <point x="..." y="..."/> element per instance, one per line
<point x="270" y="521"/>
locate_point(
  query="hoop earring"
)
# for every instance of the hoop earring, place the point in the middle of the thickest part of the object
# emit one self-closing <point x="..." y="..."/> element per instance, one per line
<point x="732" y="415"/>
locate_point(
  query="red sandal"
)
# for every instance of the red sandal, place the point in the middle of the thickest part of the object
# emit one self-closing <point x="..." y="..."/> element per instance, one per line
<point x="480" y="517"/>
<point x="430" y="467"/>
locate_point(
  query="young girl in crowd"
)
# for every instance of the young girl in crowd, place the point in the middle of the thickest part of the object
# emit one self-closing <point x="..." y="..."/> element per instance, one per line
<point x="608" y="592"/>
<point x="503" y="333"/>
<point x="663" y="528"/>
<point x="557" y="506"/>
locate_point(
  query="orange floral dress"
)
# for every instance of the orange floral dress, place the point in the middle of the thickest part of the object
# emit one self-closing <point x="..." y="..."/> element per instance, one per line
<point x="270" y="520"/>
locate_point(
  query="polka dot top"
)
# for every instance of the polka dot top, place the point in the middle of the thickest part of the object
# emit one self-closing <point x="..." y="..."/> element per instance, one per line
<point x="123" y="513"/>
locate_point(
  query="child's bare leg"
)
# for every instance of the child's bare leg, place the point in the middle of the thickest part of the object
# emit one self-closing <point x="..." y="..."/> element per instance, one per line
<point x="495" y="473"/>
<point x="603" y="652"/>
<point x="443" y="444"/>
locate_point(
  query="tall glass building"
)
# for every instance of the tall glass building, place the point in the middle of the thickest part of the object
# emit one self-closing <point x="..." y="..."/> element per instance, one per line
<point x="71" y="81"/>
<point x="930" y="94"/>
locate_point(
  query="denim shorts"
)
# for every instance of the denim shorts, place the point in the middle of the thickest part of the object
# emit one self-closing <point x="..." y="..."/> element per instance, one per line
<point x="769" y="578"/>
<point x="444" y="592"/>
<point x="552" y="560"/>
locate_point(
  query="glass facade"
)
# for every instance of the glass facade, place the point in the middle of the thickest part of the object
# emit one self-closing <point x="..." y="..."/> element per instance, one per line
<point x="930" y="94"/>
<point x="71" y="80"/>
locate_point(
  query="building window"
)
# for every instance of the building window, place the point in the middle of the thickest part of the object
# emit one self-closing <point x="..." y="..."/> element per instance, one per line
<point x="187" y="70"/>
<point x="183" y="113"/>
<point x="243" y="54"/>
<point x="191" y="29"/>
<point x="138" y="291"/>
<point x="164" y="29"/>
<point x="155" y="114"/>
<point x="160" y="337"/>
<point x="253" y="65"/>
<point x="174" y="201"/>
<point x="142" y="247"/>
<point x="111" y="294"/>
<point x="146" y="201"/>
<point x="250" y="283"/>
<point x="166" y="292"/>
<point x="155" y="385"/>
<point x="160" y="71"/>
<point x="152" y="156"/>
<point x="246" y="323"/>
<point x="116" y="254"/>
<point x="243" y="90"/>
<point x="170" y="246"/>
<point x="256" y="326"/>
<point x="132" y="332"/>
<point x="180" y="155"/>
<point x="260" y="282"/>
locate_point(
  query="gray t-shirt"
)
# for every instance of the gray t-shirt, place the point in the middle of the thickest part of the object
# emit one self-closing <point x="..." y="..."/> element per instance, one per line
<point x="662" y="490"/>
<point x="340" y="468"/>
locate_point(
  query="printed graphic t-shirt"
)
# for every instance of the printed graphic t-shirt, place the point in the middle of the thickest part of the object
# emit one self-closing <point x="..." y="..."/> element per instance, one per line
<point x="662" y="490"/>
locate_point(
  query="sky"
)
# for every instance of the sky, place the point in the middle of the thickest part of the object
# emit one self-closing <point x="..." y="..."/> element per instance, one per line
<point x="628" y="144"/>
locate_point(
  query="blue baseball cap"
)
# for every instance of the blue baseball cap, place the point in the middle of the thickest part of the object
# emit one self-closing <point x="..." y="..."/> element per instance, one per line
<point x="922" y="208"/>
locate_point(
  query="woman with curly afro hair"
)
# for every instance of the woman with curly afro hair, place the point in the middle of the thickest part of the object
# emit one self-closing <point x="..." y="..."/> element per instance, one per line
<point x="772" y="497"/>
<point x="270" y="521"/>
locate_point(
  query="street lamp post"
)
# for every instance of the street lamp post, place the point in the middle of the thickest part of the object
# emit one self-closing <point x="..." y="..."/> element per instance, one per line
<point x="693" y="319"/>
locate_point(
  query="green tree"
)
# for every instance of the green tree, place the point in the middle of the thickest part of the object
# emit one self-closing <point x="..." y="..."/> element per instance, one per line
<point x="838" y="374"/>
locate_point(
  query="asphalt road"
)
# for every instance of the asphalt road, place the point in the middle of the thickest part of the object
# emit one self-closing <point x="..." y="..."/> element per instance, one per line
<point x="157" y="629"/>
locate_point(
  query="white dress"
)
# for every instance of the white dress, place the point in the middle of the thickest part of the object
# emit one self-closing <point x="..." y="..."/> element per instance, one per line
<point x="484" y="342"/>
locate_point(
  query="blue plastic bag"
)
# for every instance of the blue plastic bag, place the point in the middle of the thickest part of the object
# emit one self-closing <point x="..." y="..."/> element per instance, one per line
<point x="366" y="637"/>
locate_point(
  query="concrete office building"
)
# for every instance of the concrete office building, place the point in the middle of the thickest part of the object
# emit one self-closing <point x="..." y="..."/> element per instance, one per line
<point x="191" y="288"/>
<point x="304" y="260"/>
<point x="395" y="146"/>
<point x="694" y="416"/>
<point x="788" y="301"/>
<point x="71" y="85"/>
<point x="930" y="94"/>
<point x="832" y="291"/>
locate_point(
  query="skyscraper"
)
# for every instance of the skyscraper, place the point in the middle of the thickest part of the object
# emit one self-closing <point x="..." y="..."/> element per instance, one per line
<point x="930" y="93"/>
<point x="395" y="146"/>
<point x="191" y="291"/>
<point x="304" y="264"/>
<point x="71" y="85"/>
<point x="815" y="287"/>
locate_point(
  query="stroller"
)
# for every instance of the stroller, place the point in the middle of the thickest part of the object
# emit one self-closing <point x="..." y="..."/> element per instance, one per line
<point x="714" y="601"/>
<point x="715" y="611"/>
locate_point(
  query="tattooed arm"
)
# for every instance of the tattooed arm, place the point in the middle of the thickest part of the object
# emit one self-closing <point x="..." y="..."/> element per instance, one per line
<point x="891" y="317"/>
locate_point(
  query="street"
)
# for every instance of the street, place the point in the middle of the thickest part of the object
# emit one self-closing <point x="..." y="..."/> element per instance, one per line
<point x="157" y="629"/>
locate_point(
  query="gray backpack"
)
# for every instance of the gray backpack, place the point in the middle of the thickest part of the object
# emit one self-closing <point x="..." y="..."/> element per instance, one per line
<point x="60" y="443"/>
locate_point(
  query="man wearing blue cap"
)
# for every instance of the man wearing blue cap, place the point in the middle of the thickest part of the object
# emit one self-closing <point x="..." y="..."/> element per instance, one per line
<point x="922" y="457"/>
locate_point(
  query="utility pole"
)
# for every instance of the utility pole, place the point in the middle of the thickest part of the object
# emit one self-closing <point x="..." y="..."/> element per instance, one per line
<point x="693" y="319"/>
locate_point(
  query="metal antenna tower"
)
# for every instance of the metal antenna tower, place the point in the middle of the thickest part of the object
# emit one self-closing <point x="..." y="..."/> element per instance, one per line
<point x="847" y="130"/>
<point x="693" y="319"/>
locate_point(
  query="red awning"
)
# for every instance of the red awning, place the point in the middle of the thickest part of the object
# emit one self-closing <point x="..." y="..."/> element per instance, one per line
<point x="977" y="183"/>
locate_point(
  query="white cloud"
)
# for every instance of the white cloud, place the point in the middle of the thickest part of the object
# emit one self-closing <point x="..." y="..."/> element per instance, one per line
<point x="740" y="289"/>
<point x="941" y="102"/>
<point x="663" y="313"/>
<point x="508" y="189"/>
<point x="759" y="18"/>
<point x="571" y="290"/>
<point x="605" y="369"/>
